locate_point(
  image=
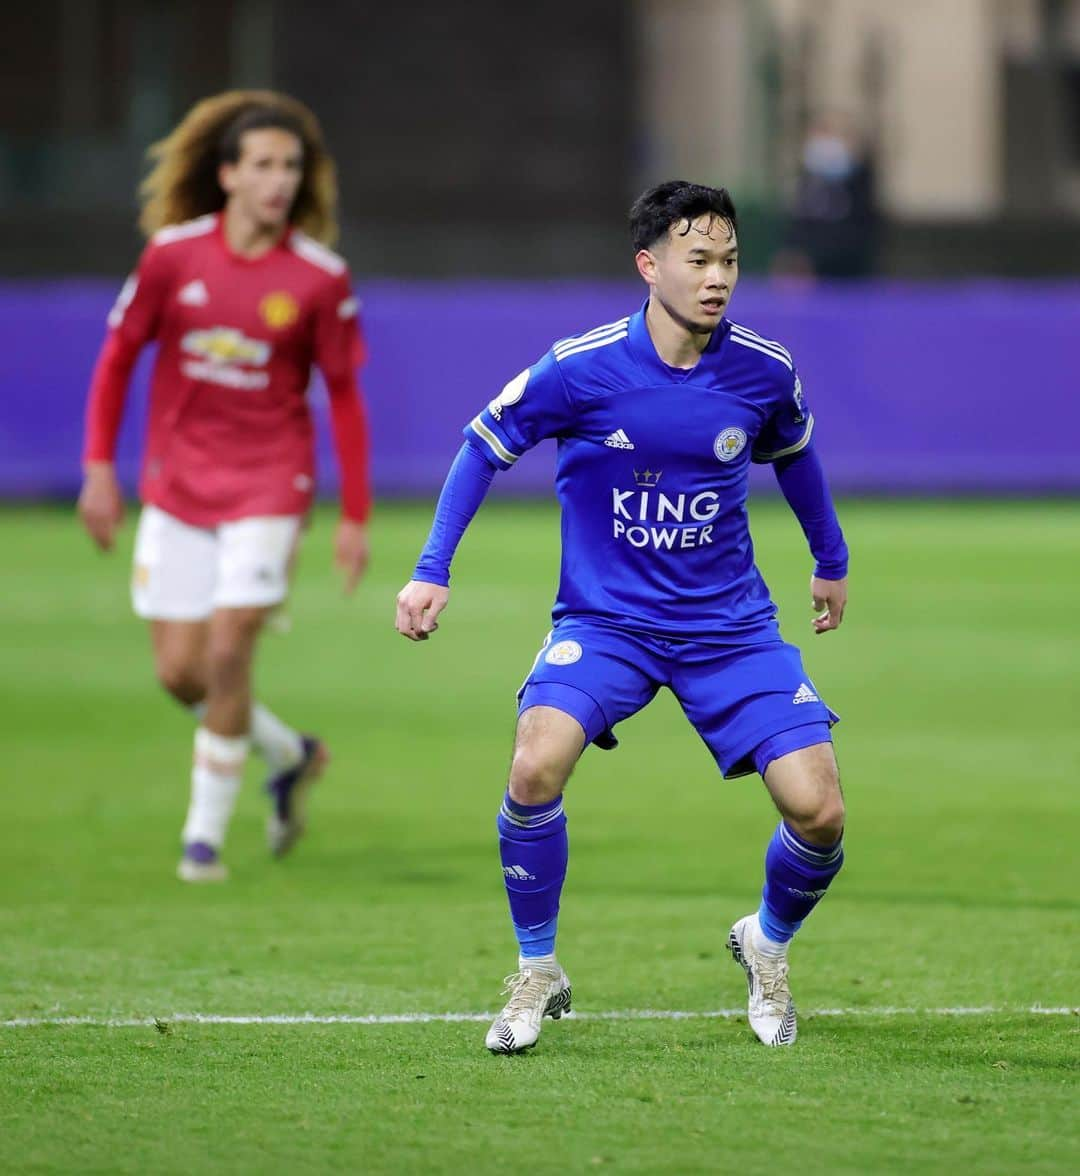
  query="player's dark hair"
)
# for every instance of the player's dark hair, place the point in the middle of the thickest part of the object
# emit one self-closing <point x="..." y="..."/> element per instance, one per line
<point x="256" y="118"/>
<point x="183" y="182"/>
<point x="671" y="204"/>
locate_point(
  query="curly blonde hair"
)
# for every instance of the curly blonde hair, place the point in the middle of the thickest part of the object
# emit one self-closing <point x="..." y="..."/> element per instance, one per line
<point x="183" y="182"/>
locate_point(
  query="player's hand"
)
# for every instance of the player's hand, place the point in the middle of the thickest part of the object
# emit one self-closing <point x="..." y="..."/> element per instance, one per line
<point x="418" y="608"/>
<point x="101" y="505"/>
<point x="829" y="597"/>
<point x="351" y="552"/>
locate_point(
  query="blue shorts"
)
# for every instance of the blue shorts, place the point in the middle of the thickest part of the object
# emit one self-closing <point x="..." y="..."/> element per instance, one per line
<point x="739" y="698"/>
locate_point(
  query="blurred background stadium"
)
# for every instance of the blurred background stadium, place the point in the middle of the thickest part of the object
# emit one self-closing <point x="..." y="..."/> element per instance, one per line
<point x="908" y="179"/>
<point x="488" y="152"/>
<point x="491" y="140"/>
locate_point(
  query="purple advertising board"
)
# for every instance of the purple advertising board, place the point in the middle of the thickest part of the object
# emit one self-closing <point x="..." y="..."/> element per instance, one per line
<point x="940" y="388"/>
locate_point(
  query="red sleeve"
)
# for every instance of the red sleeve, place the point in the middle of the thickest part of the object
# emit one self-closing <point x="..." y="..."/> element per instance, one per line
<point x="108" y="391"/>
<point x="339" y="351"/>
<point x="349" y="421"/>
<point x="132" y="321"/>
<point x="339" y="348"/>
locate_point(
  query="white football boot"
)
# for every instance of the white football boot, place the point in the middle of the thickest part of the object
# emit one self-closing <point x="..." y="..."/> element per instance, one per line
<point x="771" y="1009"/>
<point x="201" y="863"/>
<point x="535" y="993"/>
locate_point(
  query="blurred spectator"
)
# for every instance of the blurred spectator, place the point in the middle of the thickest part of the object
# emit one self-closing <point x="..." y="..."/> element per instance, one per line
<point x="832" y="231"/>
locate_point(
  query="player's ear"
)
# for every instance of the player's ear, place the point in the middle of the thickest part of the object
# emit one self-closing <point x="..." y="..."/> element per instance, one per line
<point x="646" y="266"/>
<point x="226" y="176"/>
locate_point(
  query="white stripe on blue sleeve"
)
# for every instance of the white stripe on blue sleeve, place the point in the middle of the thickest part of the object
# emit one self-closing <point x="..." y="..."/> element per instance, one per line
<point x="506" y="456"/>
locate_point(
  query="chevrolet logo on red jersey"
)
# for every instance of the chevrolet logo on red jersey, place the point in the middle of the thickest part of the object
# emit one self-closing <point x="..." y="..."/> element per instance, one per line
<point x="226" y="345"/>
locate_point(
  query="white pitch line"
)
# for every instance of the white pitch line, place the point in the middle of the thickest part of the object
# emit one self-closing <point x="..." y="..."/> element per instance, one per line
<point x="452" y="1018"/>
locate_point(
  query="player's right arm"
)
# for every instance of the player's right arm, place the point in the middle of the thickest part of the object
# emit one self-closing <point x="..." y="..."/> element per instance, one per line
<point x="427" y="593"/>
<point x="534" y="405"/>
<point x="132" y="321"/>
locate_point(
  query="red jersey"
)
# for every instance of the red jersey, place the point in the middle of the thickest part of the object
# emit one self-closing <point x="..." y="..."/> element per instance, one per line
<point x="230" y="434"/>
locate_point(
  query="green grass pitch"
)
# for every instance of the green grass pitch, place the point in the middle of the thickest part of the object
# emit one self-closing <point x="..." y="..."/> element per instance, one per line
<point x="956" y="676"/>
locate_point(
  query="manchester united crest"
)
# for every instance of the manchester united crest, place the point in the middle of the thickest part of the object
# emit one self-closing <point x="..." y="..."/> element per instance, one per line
<point x="279" y="310"/>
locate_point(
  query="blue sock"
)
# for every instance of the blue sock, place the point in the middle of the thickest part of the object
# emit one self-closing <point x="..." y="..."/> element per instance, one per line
<point x="797" y="874"/>
<point x="533" y="848"/>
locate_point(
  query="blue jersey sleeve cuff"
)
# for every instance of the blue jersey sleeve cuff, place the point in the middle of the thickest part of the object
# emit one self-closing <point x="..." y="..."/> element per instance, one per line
<point x="834" y="569"/>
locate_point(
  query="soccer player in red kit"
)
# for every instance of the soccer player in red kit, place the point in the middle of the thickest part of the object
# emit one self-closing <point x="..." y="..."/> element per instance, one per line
<point x="241" y="294"/>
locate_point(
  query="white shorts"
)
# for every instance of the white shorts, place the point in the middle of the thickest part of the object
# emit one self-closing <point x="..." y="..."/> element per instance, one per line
<point x="184" y="573"/>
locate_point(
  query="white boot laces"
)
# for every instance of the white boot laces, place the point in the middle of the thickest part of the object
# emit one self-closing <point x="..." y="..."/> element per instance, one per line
<point x="527" y="990"/>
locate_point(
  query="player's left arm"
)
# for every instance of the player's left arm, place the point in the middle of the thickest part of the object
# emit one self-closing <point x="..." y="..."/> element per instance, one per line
<point x="787" y="443"/>
<point x="339" y="353"/>
<point x="802" y="481"/>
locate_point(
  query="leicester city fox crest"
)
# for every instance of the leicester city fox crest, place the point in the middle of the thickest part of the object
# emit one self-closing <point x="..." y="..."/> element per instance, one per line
<point x="563" y="653"/>
<point x="729" y="443"/>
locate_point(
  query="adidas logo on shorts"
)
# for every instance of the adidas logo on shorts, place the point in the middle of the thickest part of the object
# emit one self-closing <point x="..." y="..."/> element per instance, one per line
<point x="804" y="694"/>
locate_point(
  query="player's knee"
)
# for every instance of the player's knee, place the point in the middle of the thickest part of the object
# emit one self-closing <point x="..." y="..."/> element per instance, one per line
<point x="232" y="646"/>
<point x="826" y="824"/>
<point x="812" y="803"/>
<point x="535" y="777"/>
<point x="228" y="661"/>
<point x="183" y="680"/>
<point x="819" y="818"/>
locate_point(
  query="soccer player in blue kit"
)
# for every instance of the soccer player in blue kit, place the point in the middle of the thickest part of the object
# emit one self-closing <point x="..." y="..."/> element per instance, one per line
<point x="657" y="418"/>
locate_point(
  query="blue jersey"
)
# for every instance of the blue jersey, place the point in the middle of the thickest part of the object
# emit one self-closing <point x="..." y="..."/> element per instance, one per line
<point x="652" y="472"/>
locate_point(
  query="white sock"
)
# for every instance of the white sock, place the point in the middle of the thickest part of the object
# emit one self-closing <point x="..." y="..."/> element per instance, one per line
<point x="276" y="742"/>
<point x="766" y="946"/>
<point x="215" y="782"/>
<point x="545" y="963"/>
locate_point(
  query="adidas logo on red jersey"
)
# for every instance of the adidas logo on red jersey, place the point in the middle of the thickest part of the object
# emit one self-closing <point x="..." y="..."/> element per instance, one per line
<point x="194" y="294"/>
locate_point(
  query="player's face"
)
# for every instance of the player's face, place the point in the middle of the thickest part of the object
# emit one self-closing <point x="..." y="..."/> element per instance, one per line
<point x="263" y="182"/>
<point x="693" y="270"/>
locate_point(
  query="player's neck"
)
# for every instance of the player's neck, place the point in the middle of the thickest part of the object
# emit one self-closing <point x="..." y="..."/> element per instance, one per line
<point x="675" y="343"/>
<point x="248" y="238"/>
